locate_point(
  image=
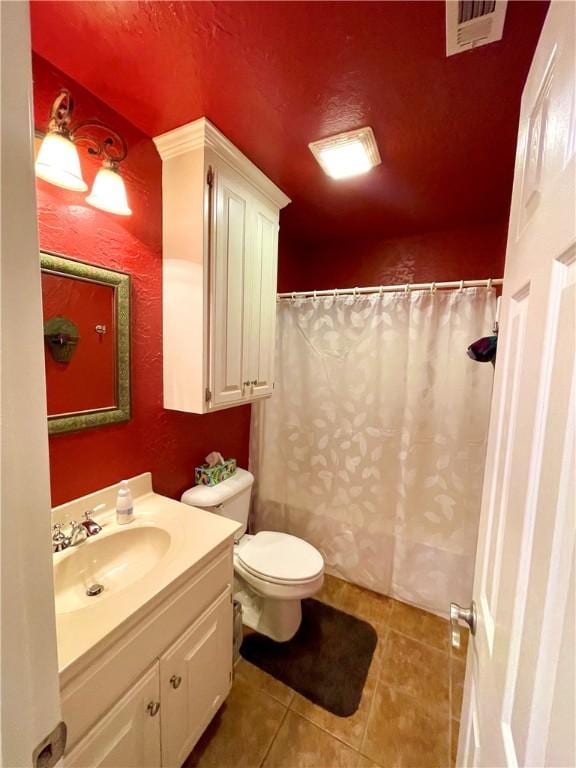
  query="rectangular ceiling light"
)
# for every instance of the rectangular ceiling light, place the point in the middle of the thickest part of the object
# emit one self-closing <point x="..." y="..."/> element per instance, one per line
<point x="347" y="154"/>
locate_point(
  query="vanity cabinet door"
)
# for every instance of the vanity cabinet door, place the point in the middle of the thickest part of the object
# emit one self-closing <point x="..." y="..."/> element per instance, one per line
<point x="195" y="678"/>
<point x="129" y="735"/>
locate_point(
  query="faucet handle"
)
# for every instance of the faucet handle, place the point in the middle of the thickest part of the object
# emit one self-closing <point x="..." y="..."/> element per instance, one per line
<point x="91" y="526"/>
<point x="59" y="540"/>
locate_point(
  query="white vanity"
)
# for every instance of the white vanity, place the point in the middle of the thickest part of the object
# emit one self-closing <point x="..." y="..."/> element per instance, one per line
<point x="146" y="662"/>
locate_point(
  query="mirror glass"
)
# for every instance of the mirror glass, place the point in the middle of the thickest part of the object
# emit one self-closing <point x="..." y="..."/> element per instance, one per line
<point x="86" y="343"/>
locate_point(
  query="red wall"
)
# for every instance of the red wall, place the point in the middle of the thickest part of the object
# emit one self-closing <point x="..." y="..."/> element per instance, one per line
<point x="168" y="443"/>
<point x="435" y="256"/>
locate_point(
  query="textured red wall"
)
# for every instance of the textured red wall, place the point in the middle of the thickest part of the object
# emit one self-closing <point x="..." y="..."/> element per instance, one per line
<point x="168" y="443"/>
<point x="452" y="255"/>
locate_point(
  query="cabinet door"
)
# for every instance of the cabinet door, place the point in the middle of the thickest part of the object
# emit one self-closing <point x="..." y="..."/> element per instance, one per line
<point x="129" y="735"/>
<point x="195" y="677"/>
<point x="260" y="300"/>
<point x="229" y="247"/>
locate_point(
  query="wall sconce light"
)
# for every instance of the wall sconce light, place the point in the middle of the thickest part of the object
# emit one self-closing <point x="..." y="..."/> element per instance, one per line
<point x="58" y="161"/>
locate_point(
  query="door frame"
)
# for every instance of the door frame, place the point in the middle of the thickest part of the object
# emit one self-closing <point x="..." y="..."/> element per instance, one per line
<point x="30" y="700"/>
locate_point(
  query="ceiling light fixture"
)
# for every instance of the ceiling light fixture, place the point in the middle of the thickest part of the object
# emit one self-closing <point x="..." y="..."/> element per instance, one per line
<point x="58" y="161"/>
<point x="347" y="154"/>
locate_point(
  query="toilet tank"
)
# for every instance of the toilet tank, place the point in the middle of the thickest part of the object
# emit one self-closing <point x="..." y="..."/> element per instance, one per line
<point x="230" y="498"/>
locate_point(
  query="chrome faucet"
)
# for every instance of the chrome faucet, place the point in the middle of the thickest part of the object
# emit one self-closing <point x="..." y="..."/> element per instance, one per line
<point x="78" y="533"/>
<point x="59" y="539"/>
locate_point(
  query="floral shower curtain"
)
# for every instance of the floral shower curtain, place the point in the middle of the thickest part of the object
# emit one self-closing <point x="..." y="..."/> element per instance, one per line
<point x="372" y="447"/>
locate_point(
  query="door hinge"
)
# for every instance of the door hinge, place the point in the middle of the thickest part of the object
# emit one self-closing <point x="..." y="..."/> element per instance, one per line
<point x="208" y="395"/>
<point x="210" y="176"/>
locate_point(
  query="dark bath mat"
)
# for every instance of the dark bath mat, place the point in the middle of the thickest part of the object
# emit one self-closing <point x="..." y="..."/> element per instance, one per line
<point x="327" y="660"/>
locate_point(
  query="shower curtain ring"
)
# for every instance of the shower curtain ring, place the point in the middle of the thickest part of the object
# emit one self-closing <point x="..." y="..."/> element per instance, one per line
<point x="381" y="291"/>
<point x="293" y="296"/>
<point x="335" y="293"/>
<point x="461" y="285"/>
<point x="432" y="287"/>
<point x="355" y="291"/>
<point x="407" y="288"/>
<point x="315" y="296"/>
<point x="489" y="285"/>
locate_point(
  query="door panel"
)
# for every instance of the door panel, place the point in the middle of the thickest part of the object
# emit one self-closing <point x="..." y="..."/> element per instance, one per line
<point x="128" y="736"/>
<point x="519" y="694"/>
<point x="195" y="677"/>
<point x="227" y="278"/>
<point x="261" y="301"/>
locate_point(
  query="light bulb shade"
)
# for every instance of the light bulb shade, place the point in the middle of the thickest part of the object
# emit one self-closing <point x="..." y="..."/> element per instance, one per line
<point x="109" y="193"/>
<point x="58" y="163"/>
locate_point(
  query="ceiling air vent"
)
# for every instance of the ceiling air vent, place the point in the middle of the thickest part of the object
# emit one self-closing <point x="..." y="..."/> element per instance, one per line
<point x="471" y="23"/>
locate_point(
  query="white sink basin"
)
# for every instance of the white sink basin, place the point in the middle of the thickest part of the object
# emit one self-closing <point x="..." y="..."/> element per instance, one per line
<point x="110" y="561"/>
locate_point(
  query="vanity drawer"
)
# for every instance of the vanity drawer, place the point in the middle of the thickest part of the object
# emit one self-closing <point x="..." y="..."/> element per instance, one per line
<point x="97" y="688"/>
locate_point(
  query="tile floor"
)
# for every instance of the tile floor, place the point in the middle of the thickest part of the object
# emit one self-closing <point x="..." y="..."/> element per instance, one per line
<point x="408" y="716"/>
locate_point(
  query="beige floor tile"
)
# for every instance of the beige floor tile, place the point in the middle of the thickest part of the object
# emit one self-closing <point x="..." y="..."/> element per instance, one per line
<point x="416" y="669"/>
<point x="334" y="591"/>
<point x="367" y="605"/>
<point x="301" y="744"/>
<point x="362" y="603"/>
<point x="241" y="733"/>
<point x="457" y="672"/>
<point x="403" y="733"/>
<point x="365" y="762"/>
<point x="262" y="681"/>
<point x="455" y="731"/>
<point x="420" y="625"/>
<point x="348" y="729"/>
<point x="380" y="649"/>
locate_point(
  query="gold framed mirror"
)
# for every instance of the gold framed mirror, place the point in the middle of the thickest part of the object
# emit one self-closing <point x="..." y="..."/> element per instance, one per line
<point x="86" y="313"/>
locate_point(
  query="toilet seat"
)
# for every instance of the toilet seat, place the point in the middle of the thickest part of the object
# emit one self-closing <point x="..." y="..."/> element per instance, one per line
<point x="279" y="558"/>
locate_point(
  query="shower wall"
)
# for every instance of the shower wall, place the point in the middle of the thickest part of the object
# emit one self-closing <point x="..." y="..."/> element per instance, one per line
<point x="471" y="253"/>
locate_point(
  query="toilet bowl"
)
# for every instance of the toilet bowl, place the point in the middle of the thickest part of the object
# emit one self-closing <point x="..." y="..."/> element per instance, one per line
<point x="273" y="571"/>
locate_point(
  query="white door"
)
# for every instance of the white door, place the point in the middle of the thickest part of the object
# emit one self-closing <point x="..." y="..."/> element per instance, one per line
<point x="230" y="232"/>
<point x="260" y="300"/>
<point x="30" y="708"/>
<point x="519" y="694"/>
<point x="129" y="735"/>
<point x="195" y="677"/>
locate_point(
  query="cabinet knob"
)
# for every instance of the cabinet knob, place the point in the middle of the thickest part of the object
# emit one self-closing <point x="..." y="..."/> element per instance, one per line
<point x="175" y="681"/>
<point x="254" y="382"/>
<point x="153" y="708"/>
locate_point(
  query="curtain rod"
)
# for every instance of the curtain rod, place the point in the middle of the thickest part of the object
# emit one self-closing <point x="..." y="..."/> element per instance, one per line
<point x="461" y="284"/>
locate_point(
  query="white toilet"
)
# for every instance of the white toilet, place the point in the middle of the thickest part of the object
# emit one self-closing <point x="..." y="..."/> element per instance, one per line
<point x="273" y="571"/>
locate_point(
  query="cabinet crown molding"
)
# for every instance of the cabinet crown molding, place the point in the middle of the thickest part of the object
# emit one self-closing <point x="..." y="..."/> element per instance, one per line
<point x="201" y="134"/>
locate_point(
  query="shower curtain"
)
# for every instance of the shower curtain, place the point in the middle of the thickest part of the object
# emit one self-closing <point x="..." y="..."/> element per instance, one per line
<point x="372" y="446"/>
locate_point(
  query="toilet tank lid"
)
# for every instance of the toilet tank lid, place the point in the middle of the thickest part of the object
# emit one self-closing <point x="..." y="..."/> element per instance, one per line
<point x="212" y="495"/>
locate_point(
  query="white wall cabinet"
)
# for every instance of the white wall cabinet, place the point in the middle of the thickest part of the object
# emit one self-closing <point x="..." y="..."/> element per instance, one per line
<point x="220" y="253"/>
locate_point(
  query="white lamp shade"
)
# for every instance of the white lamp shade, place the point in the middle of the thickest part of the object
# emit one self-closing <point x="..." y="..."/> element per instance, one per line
<point x="58" y="163"/>
<point x="109" y="193"/>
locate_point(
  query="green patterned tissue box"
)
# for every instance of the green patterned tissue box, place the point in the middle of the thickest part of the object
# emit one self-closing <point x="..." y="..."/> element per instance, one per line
<point x="205" y="475"/>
